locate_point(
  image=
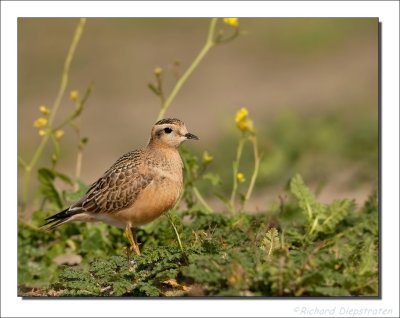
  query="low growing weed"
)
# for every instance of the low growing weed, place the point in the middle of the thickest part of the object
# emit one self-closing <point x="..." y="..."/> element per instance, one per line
<point x="278" y="253"/>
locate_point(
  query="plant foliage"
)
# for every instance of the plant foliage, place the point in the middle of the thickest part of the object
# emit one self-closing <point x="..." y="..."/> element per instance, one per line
<point x="305" y="248"/>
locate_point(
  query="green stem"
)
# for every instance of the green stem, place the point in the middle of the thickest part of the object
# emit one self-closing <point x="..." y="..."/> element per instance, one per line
<point x="235" y="172"/>
<point x="78" y="167"/>
<point x="210" y="42"/>
<point x="67" y="65"/>
<point x="56" y="144"/>
<point x="196" y="191"/>
<point x="220" y="40"/>
<point x="78" y="109"/>
<point x="175" y="230"/>
<point x="271" y="248"/>
<point x="25" y="187"/>
<point x="309" y="211"/>
<point x="314" y="226"/>
<point x="22" y="162"/>
<point x="201" y="199"/>
<point x="28" y="171"/>
<point x="63" y="85"/>
<point x="253" y="140"/>
<point x="29" y="225"/>
<point x="79" y="153"/>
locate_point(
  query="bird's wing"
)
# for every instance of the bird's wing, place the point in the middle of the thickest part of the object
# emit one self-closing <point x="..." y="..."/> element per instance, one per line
<point x="118" y="188"/>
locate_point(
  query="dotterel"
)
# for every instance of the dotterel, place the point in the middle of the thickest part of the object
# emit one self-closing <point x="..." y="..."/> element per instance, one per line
<point x="138" y="188"/>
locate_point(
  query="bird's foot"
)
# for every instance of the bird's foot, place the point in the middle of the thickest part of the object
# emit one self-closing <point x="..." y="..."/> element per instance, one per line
<point x="131" y="262"/>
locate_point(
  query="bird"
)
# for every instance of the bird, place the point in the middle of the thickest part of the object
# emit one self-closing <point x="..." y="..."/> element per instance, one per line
<point x="138" y="188"/>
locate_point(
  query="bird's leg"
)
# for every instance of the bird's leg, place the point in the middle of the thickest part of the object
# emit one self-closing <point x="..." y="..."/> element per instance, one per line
<point x="128" y="254"/>
<point x="130" y="234"/>
<point x="135" y="245"/>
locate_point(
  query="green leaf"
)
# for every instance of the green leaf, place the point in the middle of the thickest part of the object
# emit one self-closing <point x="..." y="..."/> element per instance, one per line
<point x="149" y="290"/>
<point x="331" y="291"/>
<point x="341" y="259"/>
<point x="270" y="241"/>
<point x="371" y="205"/>
<point x="74" y="196"/>
<point x="153" y="89"/>
<point x="336" y="212"/>
<point x="46" y="178"/>
<point x="214" y="179"/>
<point x="305" y="198"/>
<point x="313" y="210"/>
<point x="94" y="242"/>
<point x="63" y="177"/>
<point x="121" y="287"/>
<point x="369" y="258"/>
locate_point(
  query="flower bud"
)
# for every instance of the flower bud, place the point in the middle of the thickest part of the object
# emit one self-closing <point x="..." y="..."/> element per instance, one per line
<point x="158" y="71"/>
<point x="74" y="96"/>
<point x="40" y="122"/>
<point x="240" y="177"/>
<point x="44" y="110"/>
<point x="59" y="133"/>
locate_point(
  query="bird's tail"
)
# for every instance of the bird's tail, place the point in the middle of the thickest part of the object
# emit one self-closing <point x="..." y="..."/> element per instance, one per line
<point x="58" y="219"/>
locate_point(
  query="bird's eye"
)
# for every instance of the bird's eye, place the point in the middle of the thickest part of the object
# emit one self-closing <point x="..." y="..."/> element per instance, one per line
<point x="168" y="130"/>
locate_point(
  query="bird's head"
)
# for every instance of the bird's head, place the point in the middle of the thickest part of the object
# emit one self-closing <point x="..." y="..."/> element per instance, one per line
<point x="170" y="132"/>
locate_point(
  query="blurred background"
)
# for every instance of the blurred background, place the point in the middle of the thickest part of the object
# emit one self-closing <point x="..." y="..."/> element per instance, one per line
<point x="310" y="85"/>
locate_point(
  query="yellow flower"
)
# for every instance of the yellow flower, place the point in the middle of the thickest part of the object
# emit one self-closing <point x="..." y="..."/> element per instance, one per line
<point x="157" y="71"/>
<point x="233" y="22"/>
<point x="240" y="177"/>
<point x="44" y="110"/>
<point x="246" y="125"/>
<point x="207" y="158"/>
<point x="241" y="114"/>
<point x="74" y="95"/>
<point x="242" y="120"/>
<point x="40" y="122"/>
<point x="42" y="132"/>
<point x="59" y="133"/>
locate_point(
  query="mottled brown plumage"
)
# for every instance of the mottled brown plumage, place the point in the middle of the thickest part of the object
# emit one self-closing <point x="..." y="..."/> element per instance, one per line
<point x="139" y="186"/>
<point x="173" y="121"/>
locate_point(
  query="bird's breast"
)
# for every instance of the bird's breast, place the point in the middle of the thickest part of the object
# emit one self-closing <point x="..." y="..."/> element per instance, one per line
<point x="158" y="197"/>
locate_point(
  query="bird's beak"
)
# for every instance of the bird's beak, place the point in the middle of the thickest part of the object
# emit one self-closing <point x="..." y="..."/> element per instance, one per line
<point x="191" y="136"/>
